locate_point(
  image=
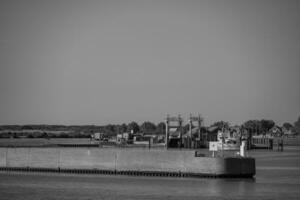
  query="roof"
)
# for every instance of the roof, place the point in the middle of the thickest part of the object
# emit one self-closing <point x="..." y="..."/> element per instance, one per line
<point x="213" y="129"/>
<point x="175" y="134"/>
<point x="195" y="131"/>
<point x="173" y="129"/>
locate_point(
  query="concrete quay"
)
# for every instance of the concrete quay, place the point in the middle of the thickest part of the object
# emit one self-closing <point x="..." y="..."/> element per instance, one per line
<point x="124" y="162"/>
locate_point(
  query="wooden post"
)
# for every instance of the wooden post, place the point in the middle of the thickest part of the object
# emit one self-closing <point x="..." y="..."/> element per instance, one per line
<point x="167" y="132"/>
<point x="180" y="130"/>
<point x="6" y="160"/>
<point x="199" y="131"/>
<point x="190" y="132"/>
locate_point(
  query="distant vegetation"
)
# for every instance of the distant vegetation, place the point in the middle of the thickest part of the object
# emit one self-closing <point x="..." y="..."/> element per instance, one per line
<point x="47" y="131"/>
<point x="297" y="125"/>
<point x="85" y="131"/>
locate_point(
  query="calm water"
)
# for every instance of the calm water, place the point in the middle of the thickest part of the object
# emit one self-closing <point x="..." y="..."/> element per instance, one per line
<point x="278" y="177"/>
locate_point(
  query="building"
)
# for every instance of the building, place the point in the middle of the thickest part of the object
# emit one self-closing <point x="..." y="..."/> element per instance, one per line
<point x="124" y="138"/>
<point x="275" y="131"/>
<point x="97" y="136"/>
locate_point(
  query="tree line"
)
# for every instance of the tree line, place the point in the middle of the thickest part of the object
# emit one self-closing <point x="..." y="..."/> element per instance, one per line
<point x="85" y="131"/>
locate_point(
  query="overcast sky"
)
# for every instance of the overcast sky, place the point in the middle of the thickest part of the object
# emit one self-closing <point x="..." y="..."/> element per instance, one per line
<point x="100" y="62"/>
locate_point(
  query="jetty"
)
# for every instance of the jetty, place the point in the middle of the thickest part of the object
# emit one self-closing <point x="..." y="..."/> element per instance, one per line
<point x="144" y="162"/>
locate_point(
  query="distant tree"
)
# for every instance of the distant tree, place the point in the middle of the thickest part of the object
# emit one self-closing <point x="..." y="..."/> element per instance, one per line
<point x="44" y="135"/>
<point x="27" y="127"/>
<point x="133" y="126"/>
<point x="64" y="135"/>
<point x="253" y="126"/>
<point x="297" y="126"/>
<point x="123" y="128"/>
<point x="161" y="128"/>
<point x="15" y="135"/>
<point x="287" y="126"/>
<point x="266" y="125"/>
<point x="221" y="124"/>
<point x="110" y="129"/>
<point x="148" y="126"/>
<point x="117" y="129"/>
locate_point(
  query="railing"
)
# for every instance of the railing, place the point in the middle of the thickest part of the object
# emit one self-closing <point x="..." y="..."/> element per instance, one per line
<point x="261" y="143"/>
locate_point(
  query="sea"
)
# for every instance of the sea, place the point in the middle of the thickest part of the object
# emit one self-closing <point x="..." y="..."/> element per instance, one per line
<point x="277" y="177"/>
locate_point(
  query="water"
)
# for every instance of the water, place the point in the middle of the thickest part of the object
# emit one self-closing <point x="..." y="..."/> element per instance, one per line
<point x="278" y="177"/>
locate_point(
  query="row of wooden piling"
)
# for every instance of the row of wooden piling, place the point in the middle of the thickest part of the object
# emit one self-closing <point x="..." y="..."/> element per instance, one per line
<point x="128" y="173"/>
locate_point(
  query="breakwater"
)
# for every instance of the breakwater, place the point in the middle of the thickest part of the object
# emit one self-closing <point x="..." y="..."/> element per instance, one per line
<point x="124" y="161"/>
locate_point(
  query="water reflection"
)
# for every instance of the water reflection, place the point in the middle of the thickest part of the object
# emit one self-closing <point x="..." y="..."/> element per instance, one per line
<point x="229" y="187"/>
<point x="277" y="176"/>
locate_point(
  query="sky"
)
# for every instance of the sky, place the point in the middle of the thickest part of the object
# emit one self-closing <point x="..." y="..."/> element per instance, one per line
<point x="100" y="62"/>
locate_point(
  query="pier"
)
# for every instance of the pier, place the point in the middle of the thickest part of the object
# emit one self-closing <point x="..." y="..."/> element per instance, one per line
<point x="124" y="162"/>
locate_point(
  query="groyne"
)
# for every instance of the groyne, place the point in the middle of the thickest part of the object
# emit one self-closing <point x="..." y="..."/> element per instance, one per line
<point x="124" y="161"/>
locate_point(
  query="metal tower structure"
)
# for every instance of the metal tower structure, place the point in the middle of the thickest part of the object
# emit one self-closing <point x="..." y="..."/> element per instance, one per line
<point x="177" y="123"/>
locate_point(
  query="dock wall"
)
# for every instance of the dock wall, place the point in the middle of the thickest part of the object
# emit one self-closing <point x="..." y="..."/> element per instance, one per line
<point x="125" y="161"/>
